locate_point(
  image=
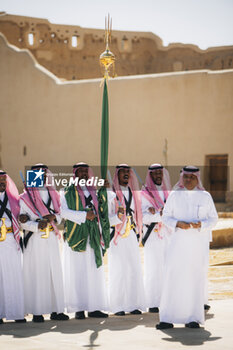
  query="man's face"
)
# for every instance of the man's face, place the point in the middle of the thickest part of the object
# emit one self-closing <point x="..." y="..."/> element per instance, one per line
<point x="2" y="183"/>
<point x="190" y="181"/>
<point x="123" y="176"/>
<point x="82" y="173"/>
<point x="157" y="176"/>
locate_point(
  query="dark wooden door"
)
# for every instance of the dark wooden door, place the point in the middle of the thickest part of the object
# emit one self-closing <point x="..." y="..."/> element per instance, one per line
<point x="217" y="176"/>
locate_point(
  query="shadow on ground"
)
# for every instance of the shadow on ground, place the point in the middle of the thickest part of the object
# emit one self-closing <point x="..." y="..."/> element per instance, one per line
<point x="189" y="336"/>
<point x="73" y="326"/>
<point x="182" y="335"/>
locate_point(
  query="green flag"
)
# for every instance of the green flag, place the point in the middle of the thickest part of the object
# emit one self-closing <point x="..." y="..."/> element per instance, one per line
<point x="104" y="133"/>
<point x="102" y="193"/>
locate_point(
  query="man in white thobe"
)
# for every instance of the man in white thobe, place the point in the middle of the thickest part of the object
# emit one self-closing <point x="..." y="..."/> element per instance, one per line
<point x="190" y="213"/>
<point x="126" y="290"/>
<point x="85" y="285"/>
<point x="154" y="195"/>
<point x="43" y="279"/>
<point x="11" y="274"/>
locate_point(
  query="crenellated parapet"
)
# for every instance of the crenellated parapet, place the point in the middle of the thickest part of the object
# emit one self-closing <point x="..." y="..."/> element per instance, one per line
<point x="71" y="52"/>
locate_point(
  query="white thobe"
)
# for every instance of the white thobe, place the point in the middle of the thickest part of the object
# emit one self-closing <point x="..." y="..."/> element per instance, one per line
<point x="126" y="289"/>
<point x="43" y="279"/>
<point x="153" y="256"/>
<point x="208" y="240"/>
<point x="185" y="267"/>
<point x="161" y="193"/>
<point x="11" y="275"/>
<point x="85" y="285"/>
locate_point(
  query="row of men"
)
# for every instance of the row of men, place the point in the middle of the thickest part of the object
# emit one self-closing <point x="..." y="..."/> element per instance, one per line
<point x="174" y="228"/>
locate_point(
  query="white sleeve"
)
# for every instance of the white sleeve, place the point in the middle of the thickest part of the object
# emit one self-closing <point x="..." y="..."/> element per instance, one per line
<point x="79" y="217"/>
<point x="112" y="216"/>
<point x="168" y="213"/>
<point x="58" y="218"/>
<point x="30" y="225"/>
<point x="148" y="218"/>
<point x="212" y="216"/>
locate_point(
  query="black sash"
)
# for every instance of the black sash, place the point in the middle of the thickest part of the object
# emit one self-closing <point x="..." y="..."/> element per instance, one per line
<point x="150" y="228"/>
<point x="129" y="211"/>
<point x="88" y="201"/>
<point x="30" y="233"/>
<point x="89" y="204"/>
<point x="128" y="202"/>
<point x="112" y="233"/>
<point x="4" y="209"/>
<point x="28" y="236"/>
<point x="51" y="211"/>
<point x="148" y="232"/>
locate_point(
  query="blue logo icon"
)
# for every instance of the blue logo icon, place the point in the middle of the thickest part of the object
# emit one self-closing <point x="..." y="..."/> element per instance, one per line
<point x="35" y="178"/>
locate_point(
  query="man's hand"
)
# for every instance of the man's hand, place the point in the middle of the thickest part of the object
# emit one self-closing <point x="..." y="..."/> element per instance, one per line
<point x="90" y="215"/>
<point x="120" y="212"/>
<point x="49" y="217"/>
<point x="183" y="225"/>
<point x="196" y="224"/>
<point x="42" y="224"/>
<point x="23" y="218"/>
<point x="152" y="210"/>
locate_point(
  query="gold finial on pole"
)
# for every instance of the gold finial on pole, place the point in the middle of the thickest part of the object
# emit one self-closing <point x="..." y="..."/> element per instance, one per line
<point x="107" y="58"/>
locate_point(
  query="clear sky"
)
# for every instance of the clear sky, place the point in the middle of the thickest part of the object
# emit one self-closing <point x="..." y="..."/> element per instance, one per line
<point x="204" y="23"/>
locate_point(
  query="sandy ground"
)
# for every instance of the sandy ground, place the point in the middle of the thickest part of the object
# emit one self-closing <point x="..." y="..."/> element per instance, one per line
<point x="221" y="274"/>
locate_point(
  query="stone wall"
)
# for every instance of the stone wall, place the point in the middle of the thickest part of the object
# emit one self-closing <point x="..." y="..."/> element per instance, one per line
<point x="72" y="52"/>
<point x="172" y="118"/>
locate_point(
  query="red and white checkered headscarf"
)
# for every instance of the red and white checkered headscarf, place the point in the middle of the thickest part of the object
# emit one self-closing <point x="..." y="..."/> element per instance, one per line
<point x="37" y="200"/>
<point x="13" y="197"/>
<point x="134" y="186"/>
<point x="190" y="169"/>
<point x="150" y="190"/>
<point x="91" y="189"/>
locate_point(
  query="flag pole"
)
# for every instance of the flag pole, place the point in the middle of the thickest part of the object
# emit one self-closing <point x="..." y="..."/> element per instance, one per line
<point x="107" y="63"/>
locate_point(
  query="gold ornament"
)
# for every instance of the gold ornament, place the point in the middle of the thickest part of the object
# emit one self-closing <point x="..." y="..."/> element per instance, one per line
<point x="107" y="58"/>
<point x="3" y="230"/>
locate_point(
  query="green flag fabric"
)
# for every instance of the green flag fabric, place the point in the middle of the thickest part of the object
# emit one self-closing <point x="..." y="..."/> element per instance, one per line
<point x="77" y="235"/>
<point x="103" y="216"/>
<point x="102" y="193"/>
<point x="104" y="133"/>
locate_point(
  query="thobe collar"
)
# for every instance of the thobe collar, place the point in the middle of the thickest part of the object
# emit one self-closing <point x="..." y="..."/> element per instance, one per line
<point x="194" y="189"/>
<point x="43" y="191"/>
<point x="85" y="191"/>
<point x="159" y="187"/>
<point x="2" y="195"/>
<point x="124" y="188"/>
<point x="160" y="190"/>
<point x="125" y="191"/>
